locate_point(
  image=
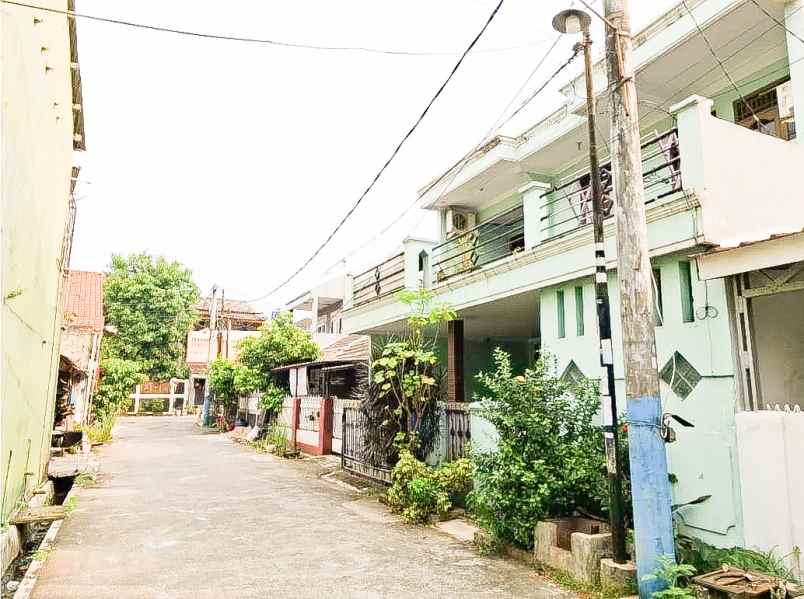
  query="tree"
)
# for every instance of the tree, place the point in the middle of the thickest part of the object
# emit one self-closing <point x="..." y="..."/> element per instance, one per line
<point x="151" y="302"/>
<point x="406" y="373"/>
<point x="279" y="343"/>
<point x="118" y="379"/>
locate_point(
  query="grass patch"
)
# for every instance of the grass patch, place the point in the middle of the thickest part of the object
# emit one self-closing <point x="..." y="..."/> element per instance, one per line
<point x="583" y="589"/>
<point x="100" y="431"/>
<point x="70" y="505"/>
<point x="84" y="480"/>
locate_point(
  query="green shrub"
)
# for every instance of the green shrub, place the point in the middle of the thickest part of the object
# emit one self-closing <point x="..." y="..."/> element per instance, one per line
<point x="276" y="435"/>
<point x="549" y="460"/>
<point x="118" y="378"/>
<point x="674" y="576"/>
<point x="418" y="491"/>
<point x="100" y="431"/>
<point x="707" y="558"/>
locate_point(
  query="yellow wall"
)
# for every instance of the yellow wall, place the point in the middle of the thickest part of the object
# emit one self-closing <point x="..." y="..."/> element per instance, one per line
<point x="37" y="145"/>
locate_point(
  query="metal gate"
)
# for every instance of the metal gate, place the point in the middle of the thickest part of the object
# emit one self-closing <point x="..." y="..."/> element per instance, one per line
<point x="337" y="425"/>
<point x="458" y="430"/>
<point x="352" y="428"/>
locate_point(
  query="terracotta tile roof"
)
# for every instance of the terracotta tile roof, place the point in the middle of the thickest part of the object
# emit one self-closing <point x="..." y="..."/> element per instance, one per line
<point x="233" y="308"/>
<point x="84" y="301"/>
<point x="351" y="348"/>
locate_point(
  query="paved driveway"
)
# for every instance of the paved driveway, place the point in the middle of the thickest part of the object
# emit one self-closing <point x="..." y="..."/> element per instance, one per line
<point x="178" y="513"/>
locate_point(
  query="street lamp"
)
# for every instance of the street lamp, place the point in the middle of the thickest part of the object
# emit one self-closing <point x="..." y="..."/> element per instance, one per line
<point x="577" y="21"/>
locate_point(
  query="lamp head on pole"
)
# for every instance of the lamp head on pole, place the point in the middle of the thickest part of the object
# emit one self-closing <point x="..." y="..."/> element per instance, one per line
<point x="571" y="21"/>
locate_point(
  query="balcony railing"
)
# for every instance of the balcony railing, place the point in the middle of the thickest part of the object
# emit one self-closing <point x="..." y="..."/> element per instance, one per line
<point x="568" y="206"/>
<point x="381" y="280"/>
<point x="492" y="240"/>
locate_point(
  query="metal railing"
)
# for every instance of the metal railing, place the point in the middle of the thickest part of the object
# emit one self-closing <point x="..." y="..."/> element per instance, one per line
<point x="568" y="206"/>
<point x="381" y="280"/>
<point x="497" y="238"/>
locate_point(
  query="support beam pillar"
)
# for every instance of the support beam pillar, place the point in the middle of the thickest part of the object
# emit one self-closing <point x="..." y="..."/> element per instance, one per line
<point x="455" y="371"/>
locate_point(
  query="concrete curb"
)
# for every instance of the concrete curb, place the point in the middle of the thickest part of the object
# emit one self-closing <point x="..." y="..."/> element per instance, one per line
<point x="26" y="587"/>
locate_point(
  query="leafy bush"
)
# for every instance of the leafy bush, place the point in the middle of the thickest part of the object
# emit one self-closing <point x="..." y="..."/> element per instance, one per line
<point x="674" y="576"/>
<point x="549" y="460"/>
<point x="707" y="558"/>
<point x="419" y="490"/>
<point x="118" y="378"/>
<point x="272" y="399"/>
<point x="221" y="377"/>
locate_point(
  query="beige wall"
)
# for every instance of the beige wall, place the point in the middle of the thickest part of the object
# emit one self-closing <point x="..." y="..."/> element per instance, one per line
<point x="37" y="146"/>
<point x="779" y="340"/>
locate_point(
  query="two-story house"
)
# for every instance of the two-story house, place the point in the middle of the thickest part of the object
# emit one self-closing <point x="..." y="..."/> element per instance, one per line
<point x="725" y="209"/>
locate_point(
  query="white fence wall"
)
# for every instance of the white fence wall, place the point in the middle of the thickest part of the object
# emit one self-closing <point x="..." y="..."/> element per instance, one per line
<point x="770" y="448"/>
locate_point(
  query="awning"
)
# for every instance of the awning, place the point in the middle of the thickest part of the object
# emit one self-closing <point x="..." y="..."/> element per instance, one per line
<point x="722" y="262"/>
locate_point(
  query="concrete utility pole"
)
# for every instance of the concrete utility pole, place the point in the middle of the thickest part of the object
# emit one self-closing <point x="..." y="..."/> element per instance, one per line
<point x="577" y="21"/>
<point x="650" y="487"/>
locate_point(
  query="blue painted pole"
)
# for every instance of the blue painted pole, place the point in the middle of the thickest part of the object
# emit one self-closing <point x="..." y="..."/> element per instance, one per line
<point x="205" y="408"/>
<point x="650" y="490"/>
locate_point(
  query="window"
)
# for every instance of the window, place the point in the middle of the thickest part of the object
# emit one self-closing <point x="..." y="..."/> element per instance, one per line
<point x="579" y="311"/>
<point x="680" y="375"/>
<point x="658" y="308"/>
<point x="572" y="375"/>
<point x="685" y="282"/>
<point x="767" y="110"/>
<point x="562" y="332"/>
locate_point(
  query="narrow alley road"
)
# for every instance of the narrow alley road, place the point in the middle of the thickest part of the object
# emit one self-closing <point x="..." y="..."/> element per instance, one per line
<point x="177" y="513"/>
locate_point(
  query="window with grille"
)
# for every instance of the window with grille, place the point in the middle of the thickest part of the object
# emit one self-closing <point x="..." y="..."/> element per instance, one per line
<point x="680" y="375"/>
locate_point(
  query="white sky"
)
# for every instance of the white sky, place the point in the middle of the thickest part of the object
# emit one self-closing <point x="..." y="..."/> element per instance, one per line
<point x="238" y="159"/>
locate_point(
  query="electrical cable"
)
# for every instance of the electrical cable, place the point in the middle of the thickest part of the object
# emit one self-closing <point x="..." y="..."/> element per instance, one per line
<point x="253" y="40"/>
<point x="460" y="165"/>
<point x="777" y="21"/>
<point x="390" y="159"/>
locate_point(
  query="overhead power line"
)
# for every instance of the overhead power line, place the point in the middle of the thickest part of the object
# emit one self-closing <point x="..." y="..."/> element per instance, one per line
<point x="254" y="40"/>
<point x="461" y="164"/>
<point x="390" y="158"/>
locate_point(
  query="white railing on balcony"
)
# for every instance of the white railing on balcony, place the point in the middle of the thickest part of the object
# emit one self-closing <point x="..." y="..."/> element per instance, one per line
<point x="568" y="206"/>
<point x="383" y="279"/>
<point x="498" y="237"/>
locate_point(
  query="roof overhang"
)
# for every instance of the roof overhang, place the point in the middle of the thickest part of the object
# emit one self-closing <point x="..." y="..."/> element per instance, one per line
<point x="672" y="62"/>
<point x="723" y="262"/>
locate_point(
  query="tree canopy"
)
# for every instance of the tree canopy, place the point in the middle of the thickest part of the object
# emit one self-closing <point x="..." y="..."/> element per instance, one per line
<point x="279" y="343"/>
<point x="151" y="302"/>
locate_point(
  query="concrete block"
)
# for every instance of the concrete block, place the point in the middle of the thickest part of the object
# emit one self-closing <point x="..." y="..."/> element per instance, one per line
<point x="561" y="559"/>
<point x="544" y="537"/>
<point x="617" y="576"/>
<point x="587" y="551"/>
<point x="10" y="544"/>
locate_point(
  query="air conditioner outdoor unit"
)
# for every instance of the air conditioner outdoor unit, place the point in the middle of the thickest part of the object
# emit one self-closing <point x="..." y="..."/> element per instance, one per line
<point x="460" y="220"/>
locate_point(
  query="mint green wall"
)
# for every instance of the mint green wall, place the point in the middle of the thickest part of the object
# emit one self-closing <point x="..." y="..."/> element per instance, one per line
<point x="724" y="100"/>
<point x="493" y="210"/>
<point x="37" y="148"/>
<point x="704" y="457"/>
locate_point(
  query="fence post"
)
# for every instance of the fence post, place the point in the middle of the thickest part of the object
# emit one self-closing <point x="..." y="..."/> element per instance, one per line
<point x="137" y="400"/>
<point x="294" y="420"/>
<point x="325" y="425"/>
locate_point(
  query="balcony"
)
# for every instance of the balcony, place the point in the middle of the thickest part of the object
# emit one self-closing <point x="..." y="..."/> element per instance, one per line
<point x="488" y="242"/>
<point x="568" y="206"/>
<point x="379" y="281"/>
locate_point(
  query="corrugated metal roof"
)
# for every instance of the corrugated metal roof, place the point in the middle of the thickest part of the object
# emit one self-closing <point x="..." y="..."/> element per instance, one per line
<point x="349" y="349"/>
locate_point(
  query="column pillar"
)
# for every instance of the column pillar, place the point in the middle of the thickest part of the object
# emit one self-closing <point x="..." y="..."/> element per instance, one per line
<point x="137" y="399"/>
<point x="794" y="21"/>
<point x="314" y="310"/>
<point x="296" y="415"/>
<point x="455" y="371"/>
<point x="412" y="249"/>
<point x="533" y="211"/>
<point x="325" y="426"/>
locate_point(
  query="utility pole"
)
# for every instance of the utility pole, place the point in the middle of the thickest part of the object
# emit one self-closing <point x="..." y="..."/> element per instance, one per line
<point x="574" y="21"/>
<point x="213" y="311"/>
<point x="650" y="487"/>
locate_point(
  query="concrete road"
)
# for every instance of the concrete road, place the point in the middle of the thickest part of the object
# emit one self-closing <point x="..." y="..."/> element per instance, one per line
<point x="177" y="513"/>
